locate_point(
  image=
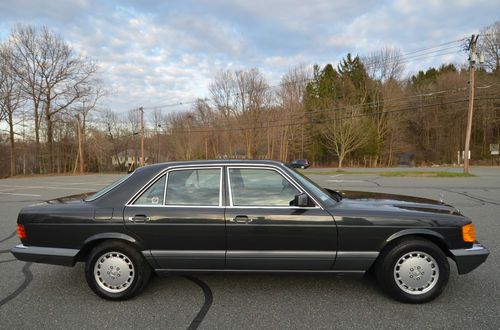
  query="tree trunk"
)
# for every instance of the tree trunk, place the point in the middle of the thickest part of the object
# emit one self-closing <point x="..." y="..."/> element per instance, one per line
<point x="37" y="142"/>
<point x="12" y="146"/>
<point x="50" y="141"/>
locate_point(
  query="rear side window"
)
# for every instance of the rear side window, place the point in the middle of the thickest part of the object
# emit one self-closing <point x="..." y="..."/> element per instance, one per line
<point x="197" y="187"/>
<point x="154" y="194"/>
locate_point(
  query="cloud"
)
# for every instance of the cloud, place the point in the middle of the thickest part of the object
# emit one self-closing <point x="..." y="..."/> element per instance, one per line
<point x="163" y="52"/>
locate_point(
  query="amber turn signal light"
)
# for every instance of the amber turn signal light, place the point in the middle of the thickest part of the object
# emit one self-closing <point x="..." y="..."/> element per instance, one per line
<point x="21" y="232"/>
<point x="468" y="233"/>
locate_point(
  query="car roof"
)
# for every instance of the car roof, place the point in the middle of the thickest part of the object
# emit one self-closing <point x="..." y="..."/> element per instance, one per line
<point x="210" y="162"/>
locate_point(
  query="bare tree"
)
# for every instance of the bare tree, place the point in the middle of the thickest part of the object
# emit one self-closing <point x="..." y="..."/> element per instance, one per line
<point x="65" y="77"/>
<point x="51" y="74"/>
<point x="489" y="43"/>
<point x="25" y="50"/>
<point x="84" y="105"/>
<point x="343" y="134"/>
<point x="10" y="97"/>
<point x="254" y="97"/>
<point x="290" y="96"/>
<point x="224" y="96"/>
<point x="385" y="64"/>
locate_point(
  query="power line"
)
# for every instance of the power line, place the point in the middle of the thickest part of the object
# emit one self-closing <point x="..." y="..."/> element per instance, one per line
<point x="404" y="58"/>
<point x="308" y="122"/>
<point x="373" y="104"/>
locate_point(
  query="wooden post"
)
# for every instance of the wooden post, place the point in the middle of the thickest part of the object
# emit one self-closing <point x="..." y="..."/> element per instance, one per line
<point x="142" y="135"/>
<point x="80" y="148"/>
<point x="472" y="69"/>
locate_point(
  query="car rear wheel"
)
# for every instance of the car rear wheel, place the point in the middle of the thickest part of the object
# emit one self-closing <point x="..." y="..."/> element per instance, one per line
<point x="116" y="271"/>
<point x="413" y="271"/>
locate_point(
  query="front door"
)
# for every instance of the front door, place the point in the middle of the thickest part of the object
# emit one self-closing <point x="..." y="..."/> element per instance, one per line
<point x="266" y="232"/>
<point x="180" y="219"/>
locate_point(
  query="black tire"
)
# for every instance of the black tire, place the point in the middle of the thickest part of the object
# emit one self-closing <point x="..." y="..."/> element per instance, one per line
<point x="400" y="283"/>
<point x="133" y="277"/>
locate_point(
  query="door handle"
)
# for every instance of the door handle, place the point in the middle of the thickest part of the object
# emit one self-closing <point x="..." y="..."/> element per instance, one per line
<point x="242" y="219"/>
<point x="139" y="218"/>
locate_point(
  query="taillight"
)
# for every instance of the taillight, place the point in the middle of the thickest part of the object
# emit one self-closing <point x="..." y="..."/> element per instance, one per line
<point x="20" y="231"/>
<point x="468" y="233"/>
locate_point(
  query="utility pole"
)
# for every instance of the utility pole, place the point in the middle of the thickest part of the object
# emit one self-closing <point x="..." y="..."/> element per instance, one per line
<point x="142" y="135"/>
<point x="472" y="68"/>
<point x="80" y="149"/>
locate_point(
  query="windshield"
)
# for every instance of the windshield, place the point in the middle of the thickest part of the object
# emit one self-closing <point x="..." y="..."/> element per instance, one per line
<point x="313" y="187"/>
<point x="107" y="189"/>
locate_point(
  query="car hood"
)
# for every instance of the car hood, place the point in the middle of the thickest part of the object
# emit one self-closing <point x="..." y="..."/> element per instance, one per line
<point x="360" y="200"/>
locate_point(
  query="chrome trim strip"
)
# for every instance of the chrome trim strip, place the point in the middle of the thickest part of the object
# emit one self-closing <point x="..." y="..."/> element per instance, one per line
<point x="338" y="272"/>
<point x="279" y="171"/>
<point x="188" y="253"/>
<point x="358" y="254"/>
<point x="476" y="248"/>
<point x="177" y="206"/>
<point x="221" y="165"/>
<point x="280" y="254"/>
<point x="167" y="171"/>
<point x="46" y="251"/>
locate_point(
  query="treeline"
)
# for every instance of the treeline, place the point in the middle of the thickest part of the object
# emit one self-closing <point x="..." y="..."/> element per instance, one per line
<point x="359" y="112"/>
<point x="44" y="84"/>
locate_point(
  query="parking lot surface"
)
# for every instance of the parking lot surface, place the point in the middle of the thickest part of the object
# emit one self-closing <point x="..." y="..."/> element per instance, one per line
<point x="45" y="296"/>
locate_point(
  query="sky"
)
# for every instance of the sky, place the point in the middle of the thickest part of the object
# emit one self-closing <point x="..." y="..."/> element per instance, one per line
<point x="166" y="52"/>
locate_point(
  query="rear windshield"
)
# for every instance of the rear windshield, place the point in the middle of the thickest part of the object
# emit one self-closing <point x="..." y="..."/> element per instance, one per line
<point x="108" y="188"/>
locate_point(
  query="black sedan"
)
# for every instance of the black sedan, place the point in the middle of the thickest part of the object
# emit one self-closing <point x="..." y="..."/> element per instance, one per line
<point x="247" y="216"/>
<point x="300" y="163"/>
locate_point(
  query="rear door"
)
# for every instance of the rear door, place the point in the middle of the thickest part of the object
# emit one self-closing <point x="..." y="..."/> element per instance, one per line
<point x="264" y="232"/>
<point x="179" y="217"/>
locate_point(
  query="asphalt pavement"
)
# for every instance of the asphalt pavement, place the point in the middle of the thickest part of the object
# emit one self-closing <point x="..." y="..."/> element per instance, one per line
<point x="45" y="296"/>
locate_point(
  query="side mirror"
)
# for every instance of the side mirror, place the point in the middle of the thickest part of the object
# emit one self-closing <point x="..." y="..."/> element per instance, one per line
<point x="301" y="200"/>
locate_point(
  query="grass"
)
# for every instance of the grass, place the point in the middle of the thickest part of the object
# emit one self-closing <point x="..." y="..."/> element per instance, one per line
<point x="431" y="174"/>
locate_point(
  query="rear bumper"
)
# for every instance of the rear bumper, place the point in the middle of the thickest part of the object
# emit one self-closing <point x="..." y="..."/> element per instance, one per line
<point x="469" y="259"/>
<point x="46" y="255"/>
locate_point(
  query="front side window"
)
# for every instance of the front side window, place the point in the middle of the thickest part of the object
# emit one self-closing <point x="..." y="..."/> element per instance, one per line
<point x="260" y="187"/>
<point x="198" y="187"/>
<point x="153" y="195"/>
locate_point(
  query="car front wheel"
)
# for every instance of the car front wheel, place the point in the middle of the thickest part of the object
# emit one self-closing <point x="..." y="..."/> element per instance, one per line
<point x="413" y="271"/>
<point x="116" y="271"/>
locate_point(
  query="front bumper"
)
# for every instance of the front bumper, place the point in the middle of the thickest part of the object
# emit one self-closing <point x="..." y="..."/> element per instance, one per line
<point x="469" y="259"/>
<point x="46" y="255"/>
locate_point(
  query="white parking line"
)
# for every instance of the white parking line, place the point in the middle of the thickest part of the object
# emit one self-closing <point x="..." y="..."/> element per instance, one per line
<point x="92" y="183"/>
<point x="345" y="181"/>
<point x="39" y="187"/>
<point x="17" y="194"/>
<point x="335" y="176"/>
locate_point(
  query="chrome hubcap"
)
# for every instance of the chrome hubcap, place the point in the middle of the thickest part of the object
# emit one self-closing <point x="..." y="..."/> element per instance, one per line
<point x="416" y="272"/>
<point x="114" y="272"/>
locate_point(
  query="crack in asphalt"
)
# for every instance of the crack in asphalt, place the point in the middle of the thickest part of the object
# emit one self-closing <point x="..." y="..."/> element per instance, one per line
<point x="375" y="183"/>
<point x="473" y="197"/>
<point x="8" y="260"/>
<point x="28" y="277"/>
<point x="207" y="292"/>
<point x="24" y="201"/>
<point x="8" y="237"/>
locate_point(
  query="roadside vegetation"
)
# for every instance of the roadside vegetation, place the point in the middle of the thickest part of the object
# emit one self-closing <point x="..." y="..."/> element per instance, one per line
<point x="421" y="174"/>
